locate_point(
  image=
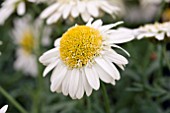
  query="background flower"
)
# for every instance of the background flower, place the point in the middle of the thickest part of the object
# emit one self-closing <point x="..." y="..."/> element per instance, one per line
<point x="73" y="8"/>
<point x="26" y="36"/>
<point x="157" y="30"/>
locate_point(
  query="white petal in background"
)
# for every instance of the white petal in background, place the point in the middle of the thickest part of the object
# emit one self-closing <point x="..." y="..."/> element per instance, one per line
<point x="4" y="109"/>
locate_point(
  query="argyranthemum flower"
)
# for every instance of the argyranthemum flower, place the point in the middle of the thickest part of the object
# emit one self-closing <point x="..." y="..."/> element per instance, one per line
<point x="83" y="56"/>
<point x="9" y="6"/>
<point x="26" y="36"/>
<point x="74" y="8"/>
<point x="4" y="109"/>
<point x="157" y="30"/>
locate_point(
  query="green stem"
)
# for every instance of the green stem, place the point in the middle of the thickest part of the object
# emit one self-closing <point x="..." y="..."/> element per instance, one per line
<point x="106" y="99"/>
<point x="12" y="100"/>
<point x="160" y="49"/>
<point x="166" y="56"/>
<point x="39" y="83"/>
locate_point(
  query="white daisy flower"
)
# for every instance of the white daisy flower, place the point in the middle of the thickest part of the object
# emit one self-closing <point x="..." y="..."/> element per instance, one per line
<point x="157" y="30"/>
<point x="85" y="8"/>
<point x="83" y="56"/>
<point x="4" y="109"/>
<point x="9" y="6"/>
<point x="26" y="36"/>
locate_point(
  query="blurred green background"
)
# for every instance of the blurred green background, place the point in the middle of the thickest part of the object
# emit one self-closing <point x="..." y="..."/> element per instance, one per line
<point x="144" y="86"/>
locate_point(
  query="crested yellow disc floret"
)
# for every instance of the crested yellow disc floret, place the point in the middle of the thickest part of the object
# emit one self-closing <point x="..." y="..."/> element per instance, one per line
<point x="79" y="45"/>
<point x="27" y="42"/>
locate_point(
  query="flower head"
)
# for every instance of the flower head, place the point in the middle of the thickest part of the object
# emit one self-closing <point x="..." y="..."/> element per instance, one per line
<point x="26" y="35"/>
<point x="4" y="109"/>
<point x="73" y="8"/>
<point x="157" y="30"/>
<point x="83" y="56"/>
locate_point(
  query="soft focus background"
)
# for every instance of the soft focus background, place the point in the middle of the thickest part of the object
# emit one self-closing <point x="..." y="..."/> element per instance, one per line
<point x="144" y="86"/>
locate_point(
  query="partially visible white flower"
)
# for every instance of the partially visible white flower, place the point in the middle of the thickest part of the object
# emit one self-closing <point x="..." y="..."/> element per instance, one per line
<point x="4" y="109"/>
<point x="9" y="6"/>
<point x="26" y="35"/>
<point x="83" y="56"/>
<point x="73" y="8"/>
<point x="157" y="30"/>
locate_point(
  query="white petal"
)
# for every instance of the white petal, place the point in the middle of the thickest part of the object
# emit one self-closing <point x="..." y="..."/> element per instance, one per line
<point x="168" y="34"/>
<point x="89" y="23"/>
<point x="108" y="67"/>
<point x="54" y="18"/>
<point x="109" y="26"/>
<point x="74" y="80"/>
<point x="80" y="91"/>
<point x="57" y="69"/>
<point x="86" y="85"/>
<point x="21" y="8"/>
<point x="74" y="12"/>
<point x="92" y="9"/>
<point x="81" y="6"/>
<point x="121" y="35"/>
<point x="142" y="35"/>
<point x="55" y="84"/>
<point x="65" y="84"/>
<point x="106" y="7"/>
<point x="160" y="36"/>
<point x="66" y="11"/>
<point x="53" y="53"/>
<point x="113" y="82"/>
<point x="113" y="45"/>
<point x="59" y="90"/>
<point x="103" y="75"/>
<point x="97" y="23"/>
<point x="5" y="13"/>
<point x="48" y="11"/>
<point x="85" y="16"/>
<point x="57" y="42"/>
<point x="50" y="67"/>
<point x="4" y="109"/>
<point x="92" y="77"/>
<point x="115" y="57"/>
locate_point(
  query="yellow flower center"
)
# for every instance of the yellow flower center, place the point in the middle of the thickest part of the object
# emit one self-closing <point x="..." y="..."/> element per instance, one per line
<point x="79" y="45"/>
<point x="27" y="42"/>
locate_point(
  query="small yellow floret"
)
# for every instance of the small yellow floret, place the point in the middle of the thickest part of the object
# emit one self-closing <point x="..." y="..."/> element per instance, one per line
<point x="27" y="42"/>
<point x="79" y="45"/>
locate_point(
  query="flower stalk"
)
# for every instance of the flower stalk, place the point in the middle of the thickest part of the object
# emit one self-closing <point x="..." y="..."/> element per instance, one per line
<point x="106" y="99"/>
<point x="12" y="100"/>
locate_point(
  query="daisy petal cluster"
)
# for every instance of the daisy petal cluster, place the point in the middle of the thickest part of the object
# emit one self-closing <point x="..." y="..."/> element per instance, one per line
<point x="73" y="8"/>
<point x="83" y="56"/>
<point x="4" y="109"/>
<point x="9" y="6"/>
<point x="26" y="35"/>
<point x="157" y="30"/>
